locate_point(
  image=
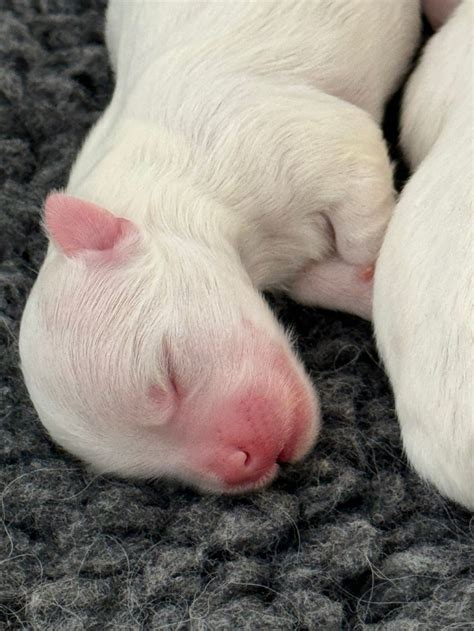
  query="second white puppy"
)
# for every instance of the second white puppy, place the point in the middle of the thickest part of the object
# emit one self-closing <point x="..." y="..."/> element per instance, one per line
<point x="423" y="294"/>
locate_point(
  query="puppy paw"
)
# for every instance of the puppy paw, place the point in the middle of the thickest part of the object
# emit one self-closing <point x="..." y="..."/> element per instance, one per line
<point x="335" y="284"/>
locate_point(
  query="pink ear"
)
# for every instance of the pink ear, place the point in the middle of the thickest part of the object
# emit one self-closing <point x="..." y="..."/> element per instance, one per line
<point x="76" y="225"/>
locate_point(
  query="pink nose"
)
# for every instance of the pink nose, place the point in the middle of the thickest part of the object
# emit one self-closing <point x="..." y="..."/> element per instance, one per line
<point x="239" y="466"/>
<point x="240" y="437"/>
<point x="252" y="433"/>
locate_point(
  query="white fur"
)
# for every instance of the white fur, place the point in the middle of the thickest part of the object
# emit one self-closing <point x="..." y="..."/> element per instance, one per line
<point x="241" y="139"/>
<point x="423" y="298"/>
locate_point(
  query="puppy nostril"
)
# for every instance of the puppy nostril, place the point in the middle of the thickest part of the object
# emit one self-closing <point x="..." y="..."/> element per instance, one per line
<point x="240" y="459"/>
<point x="239" y="466"/>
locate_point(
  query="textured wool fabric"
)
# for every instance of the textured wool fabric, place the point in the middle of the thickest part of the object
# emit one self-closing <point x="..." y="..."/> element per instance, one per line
<point x="348" y="539"/>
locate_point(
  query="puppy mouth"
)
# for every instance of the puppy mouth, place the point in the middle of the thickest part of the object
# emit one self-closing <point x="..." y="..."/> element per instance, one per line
<point x="215" y="486"/>
<point x="294" y="449"/>
<point x="288" y="455"/>
<point x="264" y="480"/>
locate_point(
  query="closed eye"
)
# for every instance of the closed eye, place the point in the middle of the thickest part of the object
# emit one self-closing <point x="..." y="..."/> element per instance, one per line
<point x="171" y="390"/>
<point x="171" y="370"/>
<point x="174" y="385"/>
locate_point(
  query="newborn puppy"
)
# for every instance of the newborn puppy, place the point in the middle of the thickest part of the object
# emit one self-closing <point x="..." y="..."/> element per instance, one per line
<point x="240" y="152"/>
<point x="423" y="281"/>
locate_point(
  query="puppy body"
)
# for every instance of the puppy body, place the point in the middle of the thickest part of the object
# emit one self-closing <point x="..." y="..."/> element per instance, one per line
<point x="240" y="149"/>
<point x="249" y="106"/>
<point x="423" y="295"/>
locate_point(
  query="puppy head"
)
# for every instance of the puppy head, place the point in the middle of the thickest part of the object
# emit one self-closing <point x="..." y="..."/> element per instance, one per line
<point x="154" y="358"/>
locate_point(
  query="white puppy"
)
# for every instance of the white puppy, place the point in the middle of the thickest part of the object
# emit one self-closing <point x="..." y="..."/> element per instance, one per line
<point x="240" y="152"/>
<point x="423" y="310"/>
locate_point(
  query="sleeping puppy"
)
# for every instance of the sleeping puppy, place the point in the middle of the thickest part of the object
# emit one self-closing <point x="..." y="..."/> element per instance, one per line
<point x="240" y="152"/>
<point x="423" y="298"/>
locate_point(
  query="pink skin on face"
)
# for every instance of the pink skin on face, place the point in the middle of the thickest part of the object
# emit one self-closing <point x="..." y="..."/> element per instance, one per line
<point x="239" y="439"/>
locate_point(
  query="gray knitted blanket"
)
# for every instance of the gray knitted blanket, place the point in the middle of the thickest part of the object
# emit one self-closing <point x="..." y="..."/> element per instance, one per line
<point x="348" y="539"/>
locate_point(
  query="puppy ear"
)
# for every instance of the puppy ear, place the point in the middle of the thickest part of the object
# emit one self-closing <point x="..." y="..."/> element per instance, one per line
<point x="76" y="225"/>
